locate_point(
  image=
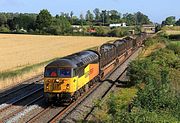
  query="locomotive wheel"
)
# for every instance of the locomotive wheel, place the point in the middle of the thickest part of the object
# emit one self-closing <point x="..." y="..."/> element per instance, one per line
<point x="75" y="96"/>
<point x="48" y="99"/>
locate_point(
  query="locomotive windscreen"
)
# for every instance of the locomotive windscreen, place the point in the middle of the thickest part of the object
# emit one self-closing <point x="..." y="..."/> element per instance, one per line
<point x="58" y="72"/>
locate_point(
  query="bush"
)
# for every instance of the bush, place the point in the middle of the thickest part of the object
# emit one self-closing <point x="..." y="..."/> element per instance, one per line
<point x="119" y="32"/>
<point x="157" y="39"/>
<point x="141" y="70"/>
<point x="4" y="29"/>
<point x="164" y="57"/>
<point x="102" y="31"/>
<point x="157" y="78"/>
<point x="174" y="47"/>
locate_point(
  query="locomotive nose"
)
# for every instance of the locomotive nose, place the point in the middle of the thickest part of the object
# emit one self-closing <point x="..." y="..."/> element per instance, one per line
<point x="55" y="85"/>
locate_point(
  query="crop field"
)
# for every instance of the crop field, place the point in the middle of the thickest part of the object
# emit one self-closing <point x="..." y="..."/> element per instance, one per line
<point x="19" y="51"/>
<point x="172" y="32"/>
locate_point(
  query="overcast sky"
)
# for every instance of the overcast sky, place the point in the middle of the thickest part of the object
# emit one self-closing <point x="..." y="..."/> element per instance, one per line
<point x="157" y="10"/>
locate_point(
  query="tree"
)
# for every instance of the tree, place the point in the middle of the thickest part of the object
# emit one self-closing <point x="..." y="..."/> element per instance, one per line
<point x="115" y="16"/>
<point x="105" y="17"/>
<point x="60" y="25"/>
<point x="89" y="16"/>
<point x="4" y="29"/>
<point x="3" y="19"/>
<point x="102" y="31"/>
<point x="71" y="14"/>
<point x="141" y="18"/>
<point x="171" y="20"/>
<point x="82" y="20"/>
<point x="129" y="19"/>
<point x="71" y="17"/>
<point x="25" y="21"/>
<point x="178" y="22"/>
<point x="97" y="14"/>
<point x="44" y="19"/>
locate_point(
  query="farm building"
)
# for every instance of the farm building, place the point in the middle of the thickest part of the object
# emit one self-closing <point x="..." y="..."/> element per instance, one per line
<point x="117" y="25"/>
<point x="150" y="29"/>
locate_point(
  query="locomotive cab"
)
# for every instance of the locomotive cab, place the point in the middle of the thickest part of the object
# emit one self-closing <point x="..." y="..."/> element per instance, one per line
<point x="59" y="77"/>
<point x="58" y="80"/>
<point x="65" y="76"/>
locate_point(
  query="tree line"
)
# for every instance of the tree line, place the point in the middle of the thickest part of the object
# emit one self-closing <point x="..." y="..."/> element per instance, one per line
<point x="171" y="20"/>
<point x="45" y="23"/>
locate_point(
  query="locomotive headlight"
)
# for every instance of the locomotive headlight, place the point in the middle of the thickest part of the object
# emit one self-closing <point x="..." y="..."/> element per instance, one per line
<point x="47" y="86"/>
<point x="67" y="86"/>
<point x="57" y="80"/>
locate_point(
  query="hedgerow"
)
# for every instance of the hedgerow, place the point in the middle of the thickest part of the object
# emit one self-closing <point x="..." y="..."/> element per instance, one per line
<point x="157" y="78"/>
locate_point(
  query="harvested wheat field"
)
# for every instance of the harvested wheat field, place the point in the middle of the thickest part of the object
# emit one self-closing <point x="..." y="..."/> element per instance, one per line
<point x="18" y="51"/>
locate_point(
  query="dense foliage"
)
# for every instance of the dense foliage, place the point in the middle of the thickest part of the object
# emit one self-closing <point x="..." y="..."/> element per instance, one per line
<point x="157" y="78"/>
<point x="171" y="20"/>
<point x="159" y="72"/>
<point x="45" y="23"/>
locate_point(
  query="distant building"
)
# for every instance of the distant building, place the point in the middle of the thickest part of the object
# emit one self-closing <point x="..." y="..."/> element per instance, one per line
<point x="23" y="30"/>
<point x="123" y="24"/>
<point x="91" y="30"/>
<point x="150" y="29"/>
<point x="77" y="28"/>
<point x="117" y="25"/>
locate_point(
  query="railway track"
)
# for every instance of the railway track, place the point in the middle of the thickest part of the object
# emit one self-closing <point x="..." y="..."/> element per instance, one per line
<point x="53" y="113"/>
<point x="21" y="109"/>
<point x="12" y="107"/>
<point x="62" y="109"/>
<point x="17" y="98"/>
<point x="18" y="90"/>
<point x="68" y="110"/>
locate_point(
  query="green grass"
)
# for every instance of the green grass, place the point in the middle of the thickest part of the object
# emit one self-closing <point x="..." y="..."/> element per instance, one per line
<point x="24" y="70"/>
<point x="176" y="42"/>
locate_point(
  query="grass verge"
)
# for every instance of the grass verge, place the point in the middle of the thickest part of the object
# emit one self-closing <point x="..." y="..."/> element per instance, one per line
<point x="24" y="70"/>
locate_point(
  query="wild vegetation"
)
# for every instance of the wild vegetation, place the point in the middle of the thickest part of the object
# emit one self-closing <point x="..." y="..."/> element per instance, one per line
<point x="156" y="77"/>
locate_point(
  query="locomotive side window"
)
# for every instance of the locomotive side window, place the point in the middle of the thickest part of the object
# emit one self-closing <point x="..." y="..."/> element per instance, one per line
<point x="81" y="71"/>
<point x="75" y="72"/>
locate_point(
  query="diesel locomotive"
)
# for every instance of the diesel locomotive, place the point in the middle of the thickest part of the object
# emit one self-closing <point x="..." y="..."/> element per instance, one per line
<point x="65" y="79"/>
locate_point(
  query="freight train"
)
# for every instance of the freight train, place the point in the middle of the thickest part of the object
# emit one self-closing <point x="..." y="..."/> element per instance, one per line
<point x="65" y="79"/>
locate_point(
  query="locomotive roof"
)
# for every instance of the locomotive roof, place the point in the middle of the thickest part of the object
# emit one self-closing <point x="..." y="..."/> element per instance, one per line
<point x="119" y="42"/>
<point x="76" y="60"/>
<point x="129" y="38"/>
<point x="107" y="46"/>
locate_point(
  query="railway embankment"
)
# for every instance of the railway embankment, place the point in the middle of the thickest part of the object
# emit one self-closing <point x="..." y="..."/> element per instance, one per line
<point x="155" y="96"/>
